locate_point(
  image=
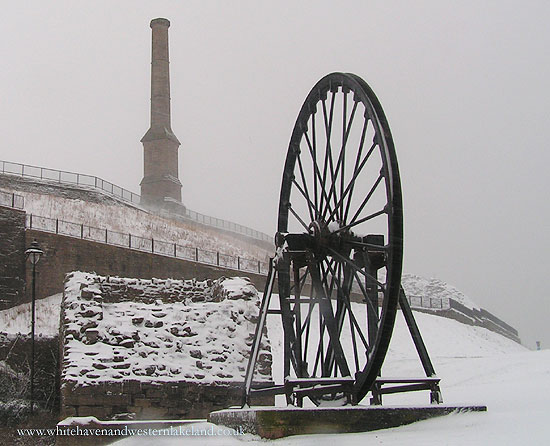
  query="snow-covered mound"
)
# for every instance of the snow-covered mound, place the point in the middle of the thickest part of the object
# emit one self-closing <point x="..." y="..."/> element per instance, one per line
<point x="445" y="339"/>
<point x="158" y="330"/>
<point x="415" y="285"/>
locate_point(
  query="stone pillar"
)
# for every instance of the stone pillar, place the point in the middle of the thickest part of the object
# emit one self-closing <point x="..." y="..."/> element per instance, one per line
<point x="160" y="184"/>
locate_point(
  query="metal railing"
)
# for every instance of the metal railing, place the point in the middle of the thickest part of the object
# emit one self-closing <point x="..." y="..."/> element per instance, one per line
<point x="11" y="200"/>
<point x="64" y="177"/>
<point x="151" y="245"/>
<point x="227" y="225"/>
<point x="432" y="303"/>
<point x="90" y="181"/>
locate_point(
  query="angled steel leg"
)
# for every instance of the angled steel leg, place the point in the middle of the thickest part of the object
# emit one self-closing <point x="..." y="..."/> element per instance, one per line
<point x="435" y="393"/>
<point x="268" y="291"/>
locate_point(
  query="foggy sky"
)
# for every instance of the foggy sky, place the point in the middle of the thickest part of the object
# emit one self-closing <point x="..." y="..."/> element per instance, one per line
<point x="463" y="84"/>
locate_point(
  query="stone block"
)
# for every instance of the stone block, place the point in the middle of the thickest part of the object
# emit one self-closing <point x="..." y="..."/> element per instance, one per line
<point x="143" y="402"/>
<point x="131" y="387"/>
<point x="113" y="387"/>
<point x="99" y="412"/>
<point x="153" y="413"/>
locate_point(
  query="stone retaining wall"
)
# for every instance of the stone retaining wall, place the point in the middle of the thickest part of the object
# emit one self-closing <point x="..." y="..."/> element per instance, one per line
<point x="12" y="256"/>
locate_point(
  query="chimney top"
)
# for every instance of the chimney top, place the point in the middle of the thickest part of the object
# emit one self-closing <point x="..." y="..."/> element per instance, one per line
<point x="160" y="22"/>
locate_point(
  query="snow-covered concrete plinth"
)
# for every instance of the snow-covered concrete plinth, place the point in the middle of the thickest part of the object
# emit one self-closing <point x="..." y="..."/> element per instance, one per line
<point x="273" y="422"/>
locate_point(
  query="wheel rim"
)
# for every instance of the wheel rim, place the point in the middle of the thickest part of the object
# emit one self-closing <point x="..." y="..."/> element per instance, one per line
<point x="341" y="205"/>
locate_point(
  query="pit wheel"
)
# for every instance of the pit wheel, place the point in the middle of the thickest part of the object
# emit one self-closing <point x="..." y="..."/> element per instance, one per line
<point x="340" y="241"/>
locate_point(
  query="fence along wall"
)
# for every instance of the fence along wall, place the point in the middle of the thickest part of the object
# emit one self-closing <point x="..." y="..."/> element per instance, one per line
<point x="453" y="309"/>
<point x="70" y="246"/>
<point x="11" y="200"/>
<point x="63" y="254"/>
<point x="89" y="181"/>
<point x="150" y="245"/>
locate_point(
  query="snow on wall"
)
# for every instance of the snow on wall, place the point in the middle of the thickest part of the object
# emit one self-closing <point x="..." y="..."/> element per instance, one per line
<point x="97" y="210"/>
<point x="18" y="319"/>
<point x="116" y="329"/>
<point x="415" y="285"/>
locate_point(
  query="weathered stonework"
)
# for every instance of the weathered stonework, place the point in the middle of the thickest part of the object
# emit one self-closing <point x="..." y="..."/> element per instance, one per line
<point x="12" y="256"/>
<point x="160" y="349"/>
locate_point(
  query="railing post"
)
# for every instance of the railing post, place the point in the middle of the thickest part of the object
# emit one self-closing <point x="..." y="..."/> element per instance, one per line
<point x="30" y="221"/>
<point x="129" y="240"/>
<point x="82" y="231"/>
<point x="196" y="254"/>
<point x="41" y="175"/>
<point x="60" y="176"/>
<point x="218" y="258"/>
<point x="259" y="267"/>
<point x="57" y="226"/>
<point x="175" y="250"/>
<point x="152" y="245"/>
<point x="13" y="200"/>
<point x="238" y="263"/>
<point x="106" y="236"/>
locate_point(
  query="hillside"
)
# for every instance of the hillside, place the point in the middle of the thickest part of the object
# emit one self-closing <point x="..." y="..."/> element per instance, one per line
<point x="87" y="206"/>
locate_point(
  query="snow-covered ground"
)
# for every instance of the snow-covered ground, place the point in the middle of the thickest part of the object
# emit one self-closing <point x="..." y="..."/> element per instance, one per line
<point x="476" y="366"/>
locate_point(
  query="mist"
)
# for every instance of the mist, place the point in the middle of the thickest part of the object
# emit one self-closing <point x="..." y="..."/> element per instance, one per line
<point x="463" y="84"/>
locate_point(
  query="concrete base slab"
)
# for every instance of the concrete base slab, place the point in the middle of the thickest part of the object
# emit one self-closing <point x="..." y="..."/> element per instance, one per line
<point x="271" y="422"/>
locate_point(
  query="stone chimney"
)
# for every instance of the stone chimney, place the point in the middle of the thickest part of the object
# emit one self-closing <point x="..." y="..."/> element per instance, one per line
<point x="160" y="184"/>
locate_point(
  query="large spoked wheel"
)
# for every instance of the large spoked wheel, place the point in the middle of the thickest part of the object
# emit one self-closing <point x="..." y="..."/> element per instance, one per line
<point x="340" y="239"/>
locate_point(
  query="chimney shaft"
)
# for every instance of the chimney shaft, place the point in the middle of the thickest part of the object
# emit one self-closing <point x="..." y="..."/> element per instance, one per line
<point x="160" y="75"/>
<point x="160" y="184"/>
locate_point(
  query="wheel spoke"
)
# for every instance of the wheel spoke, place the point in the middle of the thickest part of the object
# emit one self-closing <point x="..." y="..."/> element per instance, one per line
<point x="355" y="323"/>
<point x="368" y="197"/>
<point x="314" y="159"/>
<point x="355" y="167"/>
<point x="364" y="292"/>
<point x="317" y="173"/>
<point x="339" y="169"/>
<point x="363" y="220"/>
<point x="302" y="222"/>
<point x="310" y="206"/>
<point x="351" y="183"/>
<point x="330" y="322"/>
<point x="355" y="267"/>
<point x="328" y="147"/>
